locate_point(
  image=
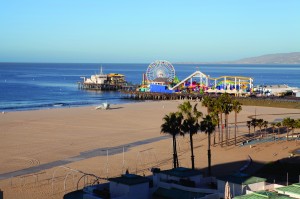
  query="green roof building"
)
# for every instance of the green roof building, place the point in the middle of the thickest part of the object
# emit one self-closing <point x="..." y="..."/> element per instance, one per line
<point x="174" y="193"/>
<point x="263" y="195"/>
<point x="291" y="190"/>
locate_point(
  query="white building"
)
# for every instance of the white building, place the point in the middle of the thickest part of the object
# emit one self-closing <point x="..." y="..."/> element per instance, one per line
<point x="182" y="183"/>
<point x="178" y="183"/>
<point x="127" y="186"/>
<point x="240" y="183"/>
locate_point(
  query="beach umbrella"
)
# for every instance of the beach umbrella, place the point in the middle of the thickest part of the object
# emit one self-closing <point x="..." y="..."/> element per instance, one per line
<point x="227" y="194"/>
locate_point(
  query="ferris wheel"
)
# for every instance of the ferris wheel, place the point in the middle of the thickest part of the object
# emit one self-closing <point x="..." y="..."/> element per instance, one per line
<point x="160" y="69"/>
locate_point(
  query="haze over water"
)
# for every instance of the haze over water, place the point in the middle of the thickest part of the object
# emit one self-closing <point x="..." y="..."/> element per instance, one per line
<point x="31" y="86"/>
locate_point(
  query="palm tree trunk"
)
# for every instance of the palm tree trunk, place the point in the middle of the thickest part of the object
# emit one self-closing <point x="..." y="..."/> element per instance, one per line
<point x="226" y="129"/>
<point x="221" y="129"/>
<point x="260" y="131"/>
<point x="287" y="133"/>
<point x="214" y="138"/>
<point x="192" y="151"/>
<point x="209" y="156"/>
<point x="235" y="128"/>
<point x="177" y="161"/>
<point x="175" y="158"/>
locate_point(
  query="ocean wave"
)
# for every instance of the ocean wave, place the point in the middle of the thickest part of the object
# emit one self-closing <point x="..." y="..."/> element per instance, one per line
<point x="25" y="107"/>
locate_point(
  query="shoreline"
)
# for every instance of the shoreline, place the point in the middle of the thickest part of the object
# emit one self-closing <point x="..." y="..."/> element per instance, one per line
<point x="247" y="101"/>
<point x="67" y="107"/>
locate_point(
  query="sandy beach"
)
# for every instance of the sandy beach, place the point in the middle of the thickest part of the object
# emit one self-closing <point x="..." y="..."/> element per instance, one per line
<point x="80" y="138"/>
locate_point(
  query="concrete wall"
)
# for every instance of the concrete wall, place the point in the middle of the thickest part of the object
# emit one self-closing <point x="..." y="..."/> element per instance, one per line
<point x="90" y="189"/>
<point x="139" y="191"/>
<point x="164" y="177"/>
<point x="89" y="196"/>
<point x="191" y="189"/>
<point x="257" y="186"/>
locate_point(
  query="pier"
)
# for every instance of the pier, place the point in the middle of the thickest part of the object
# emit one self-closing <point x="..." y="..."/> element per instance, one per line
<point x="105" y="82"/>
<point x="95" y="86"/>
<point x="137" y="95"/>
<point x="105" y="87"/>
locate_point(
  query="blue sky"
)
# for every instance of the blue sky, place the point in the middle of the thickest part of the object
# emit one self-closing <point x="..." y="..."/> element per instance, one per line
<point x="142" y="31"/>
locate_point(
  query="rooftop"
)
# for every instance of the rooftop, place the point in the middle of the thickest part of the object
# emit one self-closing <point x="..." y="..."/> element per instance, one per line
<point x="177" y="194"/>
<point x="263" y="195"/>
<point x="182" y="172"/>
<point x="130" y="179"/>
<point x="161" y="79"/>
<point x="242" y="179"/>
<point x="294" y="188"/>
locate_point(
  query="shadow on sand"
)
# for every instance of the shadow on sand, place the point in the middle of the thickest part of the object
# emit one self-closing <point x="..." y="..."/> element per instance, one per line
<point x="274" y="171"/>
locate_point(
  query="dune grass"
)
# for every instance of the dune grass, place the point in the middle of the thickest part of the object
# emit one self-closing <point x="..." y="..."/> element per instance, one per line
<point x="269" y="102"/>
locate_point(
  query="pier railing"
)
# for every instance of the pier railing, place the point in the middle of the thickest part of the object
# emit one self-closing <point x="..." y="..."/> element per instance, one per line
<point x="137" y="95"/>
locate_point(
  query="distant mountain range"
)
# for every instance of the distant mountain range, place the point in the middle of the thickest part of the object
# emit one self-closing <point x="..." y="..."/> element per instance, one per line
<point x="279" y="58"/>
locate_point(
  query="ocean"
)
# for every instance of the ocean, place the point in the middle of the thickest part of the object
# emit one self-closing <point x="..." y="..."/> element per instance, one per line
<point x="33" y="86"/>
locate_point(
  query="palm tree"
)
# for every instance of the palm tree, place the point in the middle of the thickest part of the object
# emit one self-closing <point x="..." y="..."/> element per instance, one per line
<point x="273" y="124"/>
<point x="171" y="126"/>
<point x="220" y="109"/>
<point x="278" y="125"/>
<point x="260" y="124"/>
<point x="237" y="107"/>
<point x="215" y="114"/>
<point x="297" y="123"/>
<point x="293" y="125"/>
<point x="249" y="125"/>
<point x="212" y="108"/>
<point x="297" y="126"/>
<point x="206" y="102"/>
<point x="190" y="123"/>
<point x="254" y="124"/>
<point x="286" y="122"/>
<point x="265" y="125"/>
<point x="208" y="125"/>
<point x="226" y="103"/>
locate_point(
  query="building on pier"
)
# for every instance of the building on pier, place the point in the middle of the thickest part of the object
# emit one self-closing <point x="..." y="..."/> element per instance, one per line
<point x="101" y="81"/>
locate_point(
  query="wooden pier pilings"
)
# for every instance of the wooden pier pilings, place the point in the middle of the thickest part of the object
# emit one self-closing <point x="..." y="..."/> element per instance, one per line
<point x="137" y="95"/>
